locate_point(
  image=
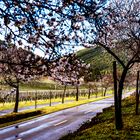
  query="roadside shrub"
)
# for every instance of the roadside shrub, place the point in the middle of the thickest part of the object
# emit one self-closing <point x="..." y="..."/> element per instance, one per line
<point x="18" y="116"/>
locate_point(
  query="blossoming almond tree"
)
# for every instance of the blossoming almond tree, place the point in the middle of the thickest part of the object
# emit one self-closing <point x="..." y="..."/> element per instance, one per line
<point x="19" y="66"/>
<point x="68" y="71"/>
<point x="121" y="35"/>
<point x="35" y="25"/>
<point x="115" y="27"/>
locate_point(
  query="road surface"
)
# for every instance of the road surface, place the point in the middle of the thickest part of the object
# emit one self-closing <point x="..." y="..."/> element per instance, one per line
<point x="55" y="125"/>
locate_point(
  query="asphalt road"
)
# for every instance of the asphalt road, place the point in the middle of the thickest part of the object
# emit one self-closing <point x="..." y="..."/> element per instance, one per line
<point x="55" y="125"/>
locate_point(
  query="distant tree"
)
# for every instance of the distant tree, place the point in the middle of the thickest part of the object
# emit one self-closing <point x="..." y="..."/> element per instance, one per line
<point x="100" y="70"/>
<point x="106" y="82"/>
<point x="62" y="72"/>
<point x="88" y="78"/>
<point x="68" y="71"/>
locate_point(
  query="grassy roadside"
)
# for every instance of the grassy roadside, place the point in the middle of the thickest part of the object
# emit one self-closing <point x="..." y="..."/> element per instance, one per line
<point x="7" y="106"/>
<point x="22" y="104"/>
<point x="102" y="126"/>
<point x="13" y="118"/>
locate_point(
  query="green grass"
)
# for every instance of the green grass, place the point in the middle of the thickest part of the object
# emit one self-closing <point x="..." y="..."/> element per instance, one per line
<point x="7" y="106"/>
<point x="102" y="126"/>
<point x="26" y="115"/>
<point x="42" y="84"/>
<point x="37" y="85"/>
<point x="46" y="86"/>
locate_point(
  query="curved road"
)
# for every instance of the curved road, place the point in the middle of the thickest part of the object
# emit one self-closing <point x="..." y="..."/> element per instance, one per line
<point x="55" y="125"/>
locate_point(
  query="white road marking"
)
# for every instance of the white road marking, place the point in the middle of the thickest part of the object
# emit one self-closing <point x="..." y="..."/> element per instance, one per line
<point x="92" y="110"/>
<point x="60" y="123"/>
<point x="88" y="111"/>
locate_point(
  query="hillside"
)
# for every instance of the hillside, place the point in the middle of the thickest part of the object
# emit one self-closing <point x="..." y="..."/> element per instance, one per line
<point x="97" y="57"/>
<point x="89" y="54"/>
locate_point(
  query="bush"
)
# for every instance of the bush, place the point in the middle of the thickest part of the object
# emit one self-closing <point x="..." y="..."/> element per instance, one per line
<point x="18" y="116"/>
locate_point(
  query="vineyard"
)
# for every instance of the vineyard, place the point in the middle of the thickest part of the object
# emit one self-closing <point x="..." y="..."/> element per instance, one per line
<point x="6" y="96"/>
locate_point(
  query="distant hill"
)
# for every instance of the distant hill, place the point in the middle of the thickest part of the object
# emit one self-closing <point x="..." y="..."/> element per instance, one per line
<point x="89" y="54"/>
<point x="97" y="57"/>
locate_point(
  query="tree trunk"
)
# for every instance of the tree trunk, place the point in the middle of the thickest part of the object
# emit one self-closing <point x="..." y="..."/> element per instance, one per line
<point x="105" y="91"/>
<point x="120" y="91"/>
<point x="63" y="96"/>
<point x="77" y="92"/>
<point x="119" y="111"/>
<point x="118" y="96"/>
<point x="102" y="88"/>
<point x="89" y="92"/>
<point x="96" y="91"/>
<point x="102" y="91"/>
<point x="17" y="99"/>
<point x="115" y="94"/>
<point x="50" y="98"/>
<point x="36" y="100"/>
<point x="96" y="94"/>
<point x="137" y="94"/>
